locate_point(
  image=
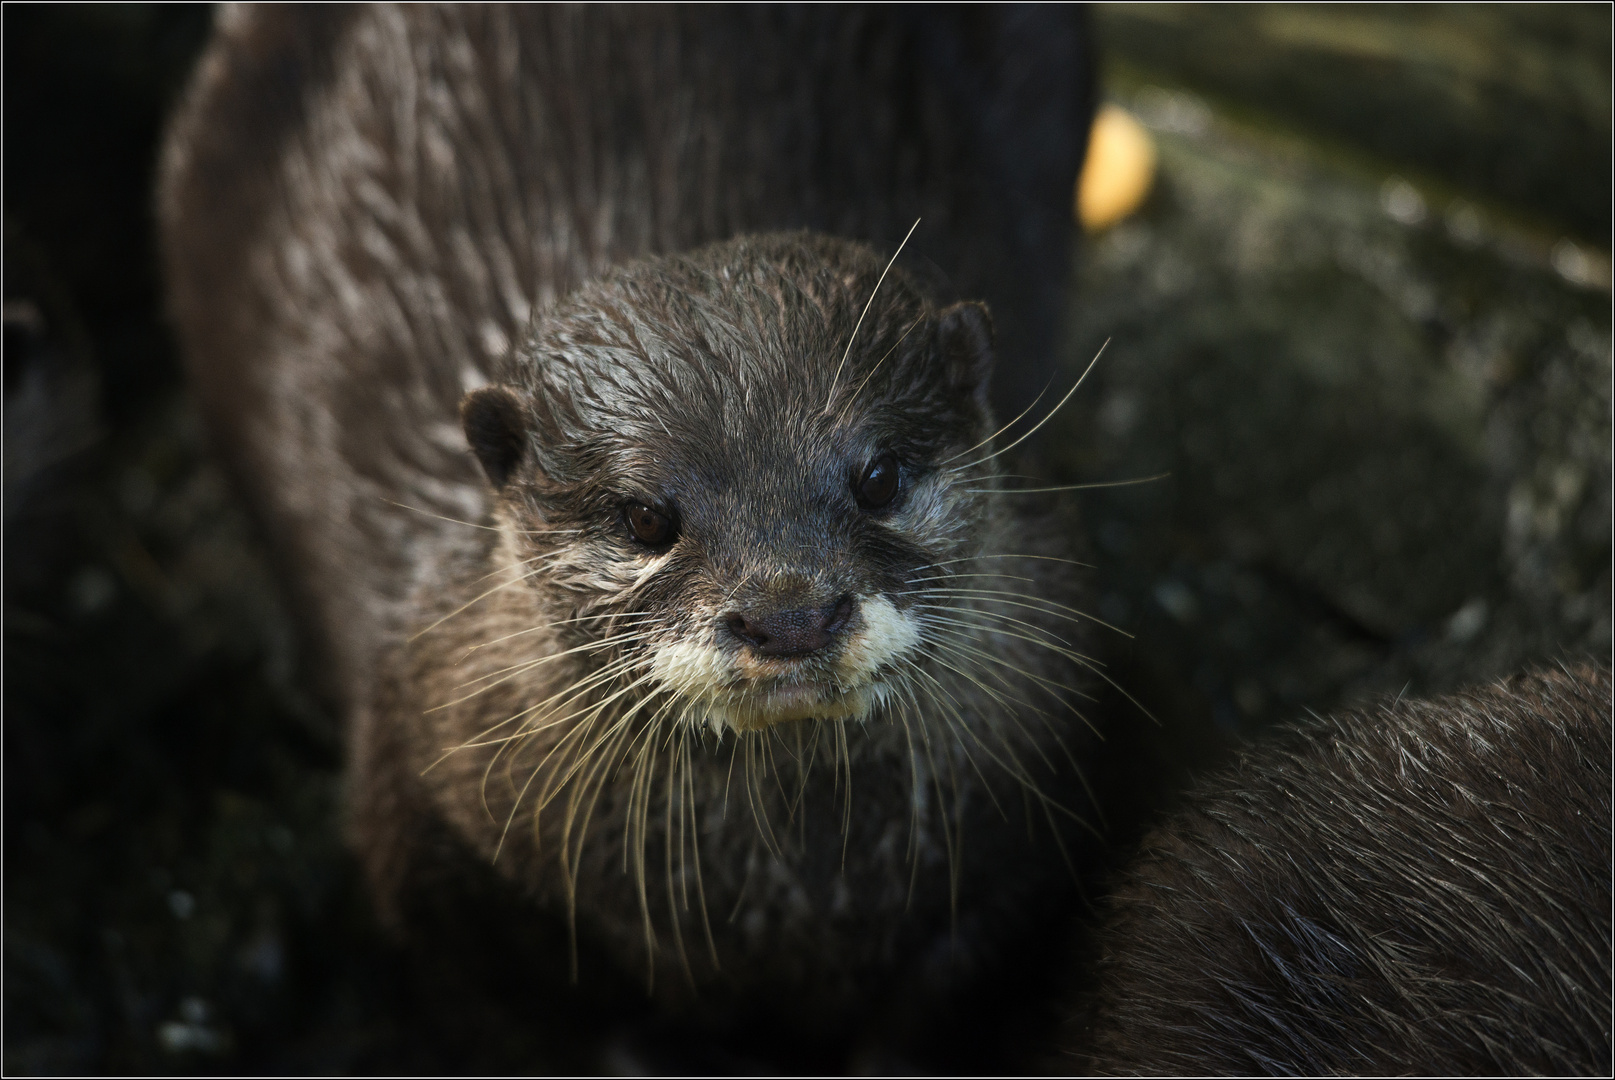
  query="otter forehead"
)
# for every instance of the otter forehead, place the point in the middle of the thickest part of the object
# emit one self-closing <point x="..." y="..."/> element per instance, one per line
<point x="761" y="336"/>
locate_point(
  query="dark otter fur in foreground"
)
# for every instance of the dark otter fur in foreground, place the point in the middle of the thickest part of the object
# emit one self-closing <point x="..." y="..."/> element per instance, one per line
<point x="1420" y="888"/>
<point x="737" y="663"/>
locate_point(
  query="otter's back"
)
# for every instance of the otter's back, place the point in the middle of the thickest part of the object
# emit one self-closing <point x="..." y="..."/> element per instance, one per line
<point x="1422" y="888"/>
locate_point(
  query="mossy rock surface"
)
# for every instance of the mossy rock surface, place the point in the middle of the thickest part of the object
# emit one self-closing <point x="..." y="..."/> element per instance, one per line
<point x="1379" y="418"/>
<point x="1508" y="101"/>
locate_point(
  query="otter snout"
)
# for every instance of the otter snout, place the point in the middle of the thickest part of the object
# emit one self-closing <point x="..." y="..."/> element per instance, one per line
<point x="791" y="633"/>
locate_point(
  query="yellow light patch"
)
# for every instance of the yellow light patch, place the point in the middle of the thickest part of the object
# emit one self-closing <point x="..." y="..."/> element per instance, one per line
<point x="1119" y="170"/>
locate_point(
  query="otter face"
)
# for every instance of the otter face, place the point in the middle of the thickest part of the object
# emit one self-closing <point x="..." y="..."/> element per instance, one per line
<point x="726" y="476"/>
<point x="747" y="527"/>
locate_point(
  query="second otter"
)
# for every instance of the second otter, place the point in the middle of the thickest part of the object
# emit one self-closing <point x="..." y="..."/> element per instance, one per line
<point x="1421" y="888"/>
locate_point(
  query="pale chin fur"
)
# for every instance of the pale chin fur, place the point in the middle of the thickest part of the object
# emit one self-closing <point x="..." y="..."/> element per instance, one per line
<point x="712" y="683"/>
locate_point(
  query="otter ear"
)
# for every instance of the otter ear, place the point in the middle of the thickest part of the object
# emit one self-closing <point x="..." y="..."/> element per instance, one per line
<point x="966" y="333"/>
<point x="496" y="427"/>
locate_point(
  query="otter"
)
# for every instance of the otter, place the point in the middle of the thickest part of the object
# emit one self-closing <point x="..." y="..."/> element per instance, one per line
<point x="1420" y="888"/>
<point x="651" y="544"/>
<point x="756" y="673"/>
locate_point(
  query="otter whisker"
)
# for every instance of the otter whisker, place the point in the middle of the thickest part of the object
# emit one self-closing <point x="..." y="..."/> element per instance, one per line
<point x="645" y="741"/>
<point x="1068" y="487"/>
<point x="915" y="793"/>
<point x="587" y="648"/>
<point x="577" y="725"/>
<point x="505" y="674"/>
<point x="442" y="517"/>
<point x="994" y="663"/>
<point x="754" y="794"/>
<point x="729" y="774"/>
<point x="995" y="669"/>
<point x="695" y="845"/>
<point x="532" y="573"/>
<point x="804" y="762"/>
<point x="983" y="687"/>
<point x="1051" y="687"/>
<point x="766" y="740"/>
<point x="996" y="575"/>
<point x="569" y="692"/>
<point x="643" y="772"/>
<point x="477" y="524"/>
<point x="965" y="654"/>
<point x="667" y="859"/>
<point x="1018" y="418"/>
<point x="621" y="723"/>
<point x="1040" y="423"/>
<point x="831" y="396"/>
<point x="1027" y="600"/>
<point x="635" y="617"/>
<point x="596" y="765"/>
<point x="952" y="715"/>
<point x="571" y="862"/>
<point x="992" y="622"/>
<point x="1018" y="771"/>
<point x="575" y="690"/>
<point x="1014" y="766"/>
<point x="950" y="837"/>
<point x="533" y="775"/>
<point x="1097" y="668"/>
<point x="584" y="758"/>
<point x="1004" y="555"/>
<point x="527" y="732"/>
<point x="548" y="712"/>
<point x="843" y="756"/>
<point x="1049" y="606"/>
<point x="853" y="397"/>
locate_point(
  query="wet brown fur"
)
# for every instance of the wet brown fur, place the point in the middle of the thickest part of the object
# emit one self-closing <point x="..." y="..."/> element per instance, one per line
<point x="1421" y="888"/>
<point x="812" y="854"/>
<point x="367" y="213"/>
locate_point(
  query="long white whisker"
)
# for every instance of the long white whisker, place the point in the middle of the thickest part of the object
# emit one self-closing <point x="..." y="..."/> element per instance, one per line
<point x="1005" y="555"/>
<point x="856" y="326"/>
<point x="631" y="618"/>
<point x="853" y="397"/>
<point x="1040" y="423"/>
<point x="1067" y="487"/>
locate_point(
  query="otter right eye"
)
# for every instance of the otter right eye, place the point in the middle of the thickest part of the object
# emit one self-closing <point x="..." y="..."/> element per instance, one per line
<point x="650" y="527"/>
<point x="879" y="483"/>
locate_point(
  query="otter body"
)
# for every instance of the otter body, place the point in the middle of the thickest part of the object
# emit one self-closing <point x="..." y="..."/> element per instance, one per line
<point x="675" y="587"/>
<point x="794" y="732"/>
<point x="1420" y="889"/>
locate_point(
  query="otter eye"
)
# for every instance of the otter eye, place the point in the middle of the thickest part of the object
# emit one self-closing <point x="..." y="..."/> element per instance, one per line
<point x="651" y="527"/>
<point x="878" y="484"/>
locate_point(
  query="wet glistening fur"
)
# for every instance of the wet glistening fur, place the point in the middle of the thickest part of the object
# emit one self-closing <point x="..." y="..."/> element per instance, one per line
<point x="640" y="720"/>
<point x="653" y="547"/>
<point x="1418" y="888"/>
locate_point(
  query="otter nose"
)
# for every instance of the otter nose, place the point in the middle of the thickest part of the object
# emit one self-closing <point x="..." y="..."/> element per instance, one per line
<point x="791" y="633"/>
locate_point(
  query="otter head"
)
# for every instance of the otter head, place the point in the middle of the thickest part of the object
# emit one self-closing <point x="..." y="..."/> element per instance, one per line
<point x="725" y="472"/>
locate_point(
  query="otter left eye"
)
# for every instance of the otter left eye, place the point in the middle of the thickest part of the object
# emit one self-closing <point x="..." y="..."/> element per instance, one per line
<point x="879" y="482"/>
<point x="650" y="527"/>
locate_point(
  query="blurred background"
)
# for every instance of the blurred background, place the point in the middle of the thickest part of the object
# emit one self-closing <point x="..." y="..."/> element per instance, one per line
<point x="1361" y="322"/>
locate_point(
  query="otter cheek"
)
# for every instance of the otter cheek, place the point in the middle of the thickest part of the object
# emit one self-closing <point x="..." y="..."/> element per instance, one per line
<point x="691" y="670"/>
<point x="886" y="637"/>
<point x="726" y="691"/>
